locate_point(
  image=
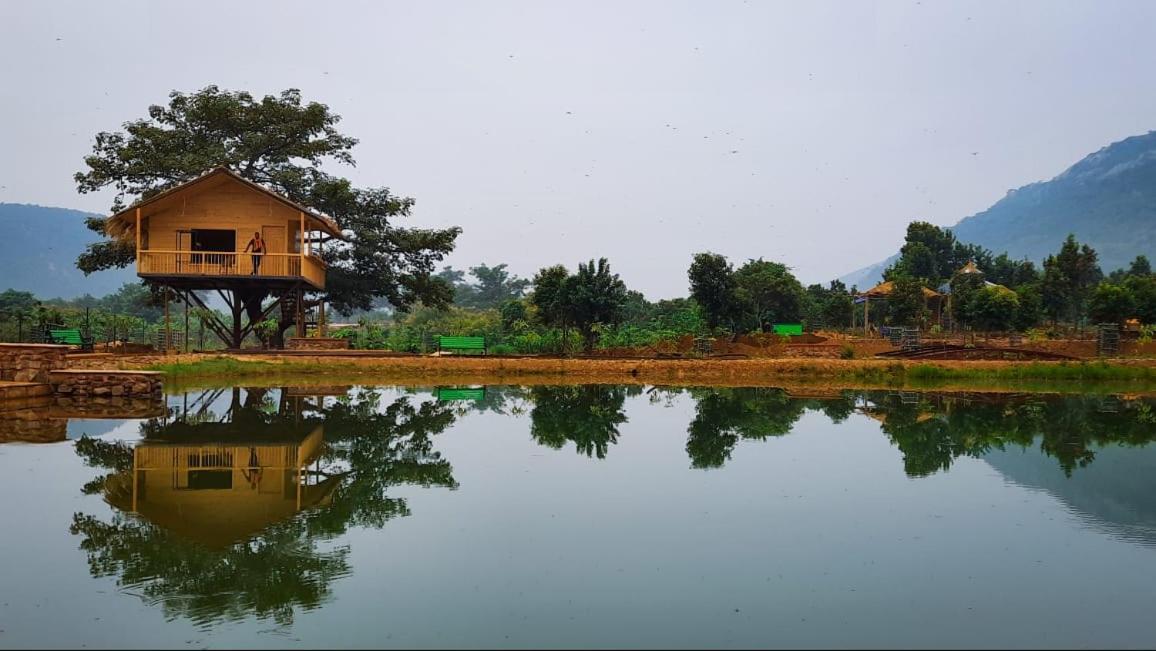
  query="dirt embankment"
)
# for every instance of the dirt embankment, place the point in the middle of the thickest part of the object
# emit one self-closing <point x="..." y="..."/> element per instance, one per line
<point x="274" y="370"/>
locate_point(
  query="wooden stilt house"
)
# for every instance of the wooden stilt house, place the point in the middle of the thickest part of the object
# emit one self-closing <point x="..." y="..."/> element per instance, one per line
<point x="194" y="236"/>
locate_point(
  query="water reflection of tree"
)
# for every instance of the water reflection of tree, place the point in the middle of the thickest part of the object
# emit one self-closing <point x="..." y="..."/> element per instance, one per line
<point x="587" y="414"/>
<point x="725" y="415"/>
<point x="935" y="430"/>
<point x="289" y="565"/>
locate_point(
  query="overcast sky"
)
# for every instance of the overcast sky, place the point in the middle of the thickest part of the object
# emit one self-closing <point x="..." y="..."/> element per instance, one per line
<point x="804" y="132"/>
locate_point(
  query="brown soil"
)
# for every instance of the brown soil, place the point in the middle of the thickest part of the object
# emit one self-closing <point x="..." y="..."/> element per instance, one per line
<point x="809" y="374"/>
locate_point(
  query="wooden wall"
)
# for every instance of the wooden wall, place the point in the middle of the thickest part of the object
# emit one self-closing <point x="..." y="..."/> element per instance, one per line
<point x="226" y="206"/>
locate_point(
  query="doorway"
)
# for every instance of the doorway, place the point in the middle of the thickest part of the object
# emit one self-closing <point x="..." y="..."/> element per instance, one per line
<point x="274" y="265"/>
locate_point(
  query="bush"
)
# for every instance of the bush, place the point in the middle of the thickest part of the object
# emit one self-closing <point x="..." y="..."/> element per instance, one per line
<point x="847" y="352"/>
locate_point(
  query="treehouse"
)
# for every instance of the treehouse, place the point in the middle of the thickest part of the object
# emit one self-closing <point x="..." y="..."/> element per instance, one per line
<point x="198" y="236"/>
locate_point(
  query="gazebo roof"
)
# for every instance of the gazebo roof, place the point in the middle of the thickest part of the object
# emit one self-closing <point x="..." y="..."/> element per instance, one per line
<point x="885" y="288"/>
<point x="123" y="222"/>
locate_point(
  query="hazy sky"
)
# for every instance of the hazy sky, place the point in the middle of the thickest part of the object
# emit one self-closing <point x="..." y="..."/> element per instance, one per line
<point x="805" y="132"/>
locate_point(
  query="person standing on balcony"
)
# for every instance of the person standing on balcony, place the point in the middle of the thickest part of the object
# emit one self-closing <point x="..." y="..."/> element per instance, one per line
<point x="257" y="246"/>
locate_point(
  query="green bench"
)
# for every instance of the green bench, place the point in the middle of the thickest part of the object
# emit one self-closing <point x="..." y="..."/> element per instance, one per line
<point x="462" y="343"/>
<point x="789" y="329"/>
<point x="70" y="337"/>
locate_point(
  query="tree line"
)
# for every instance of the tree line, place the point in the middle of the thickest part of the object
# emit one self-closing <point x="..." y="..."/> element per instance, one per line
<point x="1008" y="294"/>
<point x="283" y="142"/>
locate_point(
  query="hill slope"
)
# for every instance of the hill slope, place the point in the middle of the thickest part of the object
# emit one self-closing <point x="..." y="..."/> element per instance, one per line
<point x="39" y="249"/>
<point x="1107" y="200"/>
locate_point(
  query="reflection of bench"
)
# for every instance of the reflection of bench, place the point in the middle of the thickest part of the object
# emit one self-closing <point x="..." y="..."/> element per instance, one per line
<point x="461" y="393"/>
<point x="462" y="343"/>
<point x="71" y="337"/>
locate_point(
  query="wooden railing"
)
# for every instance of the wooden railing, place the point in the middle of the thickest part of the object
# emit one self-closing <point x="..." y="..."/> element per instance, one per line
<point x="212" y="263"/>
<point x="215" y="457"/>
<point x="313" y="270"/>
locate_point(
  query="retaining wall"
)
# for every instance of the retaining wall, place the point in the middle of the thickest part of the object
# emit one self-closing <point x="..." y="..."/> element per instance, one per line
<point x="316" y="343"/>
<point x="105" y="383"/>
<point x="30" y="362"/>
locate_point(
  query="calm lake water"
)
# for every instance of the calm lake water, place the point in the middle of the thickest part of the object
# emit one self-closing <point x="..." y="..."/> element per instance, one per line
<point x="572" y="516"/>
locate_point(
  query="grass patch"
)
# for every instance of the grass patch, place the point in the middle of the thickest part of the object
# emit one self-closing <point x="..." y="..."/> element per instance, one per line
<point x="1062" y="372"/>
<point x="1035" y="376"/>
<point x="218" y="367"/>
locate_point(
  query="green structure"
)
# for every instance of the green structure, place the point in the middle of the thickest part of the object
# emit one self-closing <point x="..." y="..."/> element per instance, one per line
<point x="792" y="329"/>
<point x="461" y="393"/>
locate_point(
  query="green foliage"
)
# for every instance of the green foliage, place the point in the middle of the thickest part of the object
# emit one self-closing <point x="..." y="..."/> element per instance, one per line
<point x="1031" y="307"/>
<point x="906" y="304"/>
<point x="370" y="449"/>
<point x="964" y="287"/>
<point x="723" y="416"/>
<point x="596" y="297"/>
<point x="933" y="254"/>
<point x="592" y="297"/>
<point x="1143" y="291"/>
<point x="514" y="311"/>
<point x="1012" y="274"/>
<point x="551" y="296"/>
<point x="15" y="303"/>
<point x="492" y="286"/>
<point x="282" y="143"/>
<point x="768" y="293"/>
<point x="1069" y="277"/>
<point x="586" y="414"/>
<point x="829" y="306"/>
<point x="713" y="287"/>
<point x="994" y="307"/>
<point x="1111" y="303"/>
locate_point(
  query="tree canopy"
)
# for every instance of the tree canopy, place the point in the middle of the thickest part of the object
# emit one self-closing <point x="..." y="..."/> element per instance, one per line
<point x="281" y="142"/>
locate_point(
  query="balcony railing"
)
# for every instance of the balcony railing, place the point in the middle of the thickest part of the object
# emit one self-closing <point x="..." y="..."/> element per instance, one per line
<point x="213" y="263"/>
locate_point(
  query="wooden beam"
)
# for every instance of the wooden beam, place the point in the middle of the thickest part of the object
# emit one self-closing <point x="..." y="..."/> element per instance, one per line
<point x="264" y="315"/>
<point x="218" y="327"/>
<point x="225" y="297"/>
<point x="138" y="240"/>
<point x="168" y="327"/>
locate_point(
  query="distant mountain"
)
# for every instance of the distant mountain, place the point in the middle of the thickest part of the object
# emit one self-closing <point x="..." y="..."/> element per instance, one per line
<point x="1116" y="493"/>
<point x="1108" y="200"/>
<point x="38" y="251"/>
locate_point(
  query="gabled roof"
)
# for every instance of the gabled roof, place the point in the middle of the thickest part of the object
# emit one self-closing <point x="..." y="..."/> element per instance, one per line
<point x="885" y="288"/>
<point x="969" y="268"/>
<point x="123" y="222"/>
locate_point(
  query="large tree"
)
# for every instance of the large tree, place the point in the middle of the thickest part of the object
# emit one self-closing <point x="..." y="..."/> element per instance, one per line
<point x="906" y="305"/>
<point x="597" y="297"/>
<point x="591" y="297"/>
<point x="282" y="143"/>
<point x="712" y="286"/>
<point x="768" y="293"/>
<point x="491" y="288"/>
<point x="1069" y="277"/>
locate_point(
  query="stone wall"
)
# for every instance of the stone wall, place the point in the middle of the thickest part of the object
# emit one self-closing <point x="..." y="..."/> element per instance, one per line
<point x="316" y="343"/>
<point x="32" y="426"/>
<point x="106" y="383"/>
<point x="30" y="362"/>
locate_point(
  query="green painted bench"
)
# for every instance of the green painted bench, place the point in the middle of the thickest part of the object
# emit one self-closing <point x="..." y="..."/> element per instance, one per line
<point x="71" y="337"/>
<point x="462" y="343"/>
<point x="791" y="329"/>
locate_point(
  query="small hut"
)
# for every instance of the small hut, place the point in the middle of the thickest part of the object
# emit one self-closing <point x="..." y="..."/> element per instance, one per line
<point x="194" y="236"/>
<point x="933" y="300"/>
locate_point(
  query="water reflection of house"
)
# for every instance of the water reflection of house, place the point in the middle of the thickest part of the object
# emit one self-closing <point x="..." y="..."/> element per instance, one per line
<point x="217" y="483"/>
